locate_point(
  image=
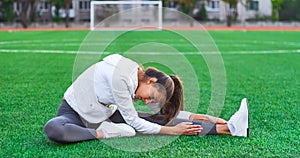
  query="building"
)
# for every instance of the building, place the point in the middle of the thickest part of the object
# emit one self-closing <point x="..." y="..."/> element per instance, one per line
<point x="216" y="9"/>
<point x="79" y="10"/>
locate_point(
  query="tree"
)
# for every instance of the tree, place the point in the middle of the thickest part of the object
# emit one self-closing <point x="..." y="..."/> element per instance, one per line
<point x="289" y="10"/>
<point x="65" y="4"/>
<point x="231" y="14"/>
<point x="275" y="9"/>
<point x="58" y="4"/>
<point x="6" y="10"/>
<point x="233" y="6"/>
<point x="188" y="6"/>
<point x="67" y="11"/>
<point x="27" y="12"/>
<point x="201" y="15"/>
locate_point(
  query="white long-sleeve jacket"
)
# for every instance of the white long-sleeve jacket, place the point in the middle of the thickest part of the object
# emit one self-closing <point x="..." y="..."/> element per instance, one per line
<point x="112" y="81"/>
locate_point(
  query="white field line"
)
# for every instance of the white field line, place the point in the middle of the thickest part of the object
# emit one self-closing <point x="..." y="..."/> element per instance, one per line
<point x="151" y="53"/>
<point x="78" y="44"/>
<point x="74" y="42"/>
<point x="145" y="40"/>
<point x="257" y="42"/>
<point x="38" y="51"/>
<point x="39" y="41"/>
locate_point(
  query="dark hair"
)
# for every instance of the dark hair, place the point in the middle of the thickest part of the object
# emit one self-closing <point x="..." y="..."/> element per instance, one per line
<point x="174" y="95"/>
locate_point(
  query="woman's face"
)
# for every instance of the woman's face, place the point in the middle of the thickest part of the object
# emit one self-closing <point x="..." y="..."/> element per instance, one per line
<point x="150" y="93"/>
<point x="145" y="92"/>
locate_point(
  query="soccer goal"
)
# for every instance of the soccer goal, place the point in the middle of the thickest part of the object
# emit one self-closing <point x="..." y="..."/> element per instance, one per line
<point x="125" y="14"/>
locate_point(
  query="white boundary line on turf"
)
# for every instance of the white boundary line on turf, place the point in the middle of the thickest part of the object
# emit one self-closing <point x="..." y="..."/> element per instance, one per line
<point x="38" y="41"/>
<point x="145" y="40"/>
<point x="153" y="53"/>
<point x="38" y="51"/>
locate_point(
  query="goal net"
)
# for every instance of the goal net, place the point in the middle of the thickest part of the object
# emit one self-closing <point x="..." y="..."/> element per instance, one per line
<point x="125" y="14"/>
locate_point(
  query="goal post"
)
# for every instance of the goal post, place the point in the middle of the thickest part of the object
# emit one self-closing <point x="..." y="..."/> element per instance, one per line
<point x="118" y="12"/>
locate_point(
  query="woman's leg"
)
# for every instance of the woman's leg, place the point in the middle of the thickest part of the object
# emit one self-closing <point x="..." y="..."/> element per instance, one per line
<point x="208" y="128"/>
<point x="67" y="127"/>
<point x="206" y="121"/>
<point x="64" y="129"/>
<point x="222" y="129"/>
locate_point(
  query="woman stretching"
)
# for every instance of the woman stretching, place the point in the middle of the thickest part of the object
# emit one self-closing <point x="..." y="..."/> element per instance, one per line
<point x="87" y="111"/>
<point x="88" y="103"/>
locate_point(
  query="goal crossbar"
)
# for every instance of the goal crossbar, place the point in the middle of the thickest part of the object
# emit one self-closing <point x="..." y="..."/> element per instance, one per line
<point x="93" y="3"/>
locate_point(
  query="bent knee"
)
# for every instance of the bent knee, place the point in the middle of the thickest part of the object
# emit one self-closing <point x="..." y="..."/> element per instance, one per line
<point x="53" y="130"/>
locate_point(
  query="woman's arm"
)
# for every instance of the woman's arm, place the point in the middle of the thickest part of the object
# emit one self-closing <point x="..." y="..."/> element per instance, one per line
<point x="200" y="117"/>
<point x="207" y="118"/>
<point x="184" y="128"/>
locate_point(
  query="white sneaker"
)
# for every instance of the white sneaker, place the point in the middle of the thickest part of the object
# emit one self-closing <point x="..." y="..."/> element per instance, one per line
<point x="113" y="130"/>
<point x="238" y="123"/>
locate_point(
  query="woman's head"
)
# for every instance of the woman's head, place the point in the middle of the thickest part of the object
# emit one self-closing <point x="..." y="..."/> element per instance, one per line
<point x="163" y="89"/>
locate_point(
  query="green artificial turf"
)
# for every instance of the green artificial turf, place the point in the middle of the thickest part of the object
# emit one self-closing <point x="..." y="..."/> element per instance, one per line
<point x="262" y="66"/>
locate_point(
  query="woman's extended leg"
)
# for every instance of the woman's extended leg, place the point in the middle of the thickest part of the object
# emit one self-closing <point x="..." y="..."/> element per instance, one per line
<point x="238" y="124"/>
<point x="208" y="128"/>
<point x="200" y="117"/>
<point x="67" y="127"/>
<point x="221" y="124"/>
<point x="222" y="129"/>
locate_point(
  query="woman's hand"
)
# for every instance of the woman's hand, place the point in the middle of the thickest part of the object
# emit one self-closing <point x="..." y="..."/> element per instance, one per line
<point x="184" y="128"/>
<point x="187" y="128"/>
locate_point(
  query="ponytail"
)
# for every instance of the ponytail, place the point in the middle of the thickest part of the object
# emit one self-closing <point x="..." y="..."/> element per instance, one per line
<point x="176" y="102"/>
<point x="177" y="97"/>
<point x="174" y="97"/>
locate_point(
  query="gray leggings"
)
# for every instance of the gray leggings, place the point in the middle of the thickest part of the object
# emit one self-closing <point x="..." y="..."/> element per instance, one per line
<point x="67" y="126"/>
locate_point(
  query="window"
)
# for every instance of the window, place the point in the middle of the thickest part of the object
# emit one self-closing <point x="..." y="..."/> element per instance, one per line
<point x="145" y="7"/>
<point x="84" y="5"/>
<point x="18" y="6"/>
<point x="252" y="5"/>
<point x="44" y="5"/>
<point x="71" y="5"/>
<point x="80" y="5"/>
<point x="127" y="7"/>
<point x="213" y="5"/>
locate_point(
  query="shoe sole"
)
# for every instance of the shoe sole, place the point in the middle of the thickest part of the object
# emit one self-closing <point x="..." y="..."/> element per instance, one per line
<point x="248" y="129"/>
